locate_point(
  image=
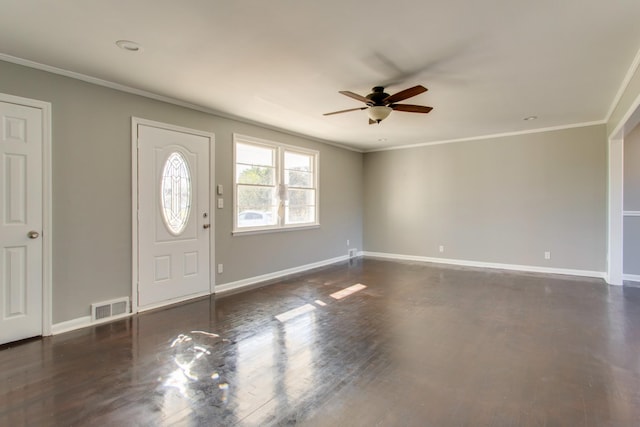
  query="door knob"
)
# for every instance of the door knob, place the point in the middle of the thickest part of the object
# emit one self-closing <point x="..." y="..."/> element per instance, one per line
<point x="33" y="234"/>
<point x="206" y="226"/>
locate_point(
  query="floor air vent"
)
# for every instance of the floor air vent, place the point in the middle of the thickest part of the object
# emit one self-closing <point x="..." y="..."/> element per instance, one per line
<point x="112" y="308"/>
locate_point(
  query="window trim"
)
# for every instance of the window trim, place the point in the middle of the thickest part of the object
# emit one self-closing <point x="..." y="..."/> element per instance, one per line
<point x="280" y="149"/>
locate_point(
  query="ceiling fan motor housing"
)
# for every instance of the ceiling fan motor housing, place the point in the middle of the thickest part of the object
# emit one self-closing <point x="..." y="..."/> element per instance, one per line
<point x="377" y="95"/>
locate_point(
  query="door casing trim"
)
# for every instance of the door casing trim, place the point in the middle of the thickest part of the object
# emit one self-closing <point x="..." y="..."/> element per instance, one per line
<point x="135" y="121"/>
<point x="47" y="295"/>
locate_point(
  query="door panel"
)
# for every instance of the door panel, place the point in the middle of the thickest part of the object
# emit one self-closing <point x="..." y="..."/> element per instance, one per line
<point x="20" y="222"/>
<point x="173" y="215"/>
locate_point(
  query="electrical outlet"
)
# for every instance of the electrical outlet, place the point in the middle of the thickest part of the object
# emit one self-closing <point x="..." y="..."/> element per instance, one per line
<point x="220" y="268"/>
<point x="347" y="242"/>
<point x="547" y="255"/>
<point x="220" y="203"/>
<point x="441" y="248"/>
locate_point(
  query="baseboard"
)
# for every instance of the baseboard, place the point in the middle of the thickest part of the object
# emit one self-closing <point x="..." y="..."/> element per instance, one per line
<point x="480" y="264"/>
<point x="244" y="283"/>
<point x="169" y="302"/>
<point x="82" y="322"/>
<point x="631" y="277"/>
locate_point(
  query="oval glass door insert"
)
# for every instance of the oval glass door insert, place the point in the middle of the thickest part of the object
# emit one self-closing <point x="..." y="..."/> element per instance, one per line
<point x="175" y="190"/>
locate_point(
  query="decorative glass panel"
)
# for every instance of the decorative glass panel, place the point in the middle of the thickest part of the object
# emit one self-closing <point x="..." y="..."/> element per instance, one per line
<point x="176" y="193"/>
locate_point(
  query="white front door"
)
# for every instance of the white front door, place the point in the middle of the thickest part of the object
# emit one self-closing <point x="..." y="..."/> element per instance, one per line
<point x="21" y="285"/>
<point x="173" y="216"/>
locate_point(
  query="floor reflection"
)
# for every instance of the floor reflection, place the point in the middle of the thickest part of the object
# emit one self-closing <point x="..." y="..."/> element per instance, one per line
<point x="295" y="312"/>
<point x="347" y="291"/>
<point x="254" y="381"/>
<point x="192" y="366"/>
<point x="275" y="367"/>
<point x="199" y="357"/>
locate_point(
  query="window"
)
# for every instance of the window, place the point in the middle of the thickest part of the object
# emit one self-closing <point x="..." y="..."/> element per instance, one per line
<point x="275" y="185"/>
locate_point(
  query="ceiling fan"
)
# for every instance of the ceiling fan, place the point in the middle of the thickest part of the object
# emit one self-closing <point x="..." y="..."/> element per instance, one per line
<point x="380" y="104"/>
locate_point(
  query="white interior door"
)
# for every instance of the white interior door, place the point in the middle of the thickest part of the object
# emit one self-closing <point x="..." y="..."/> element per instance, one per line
<point x="21" y="285"/>
<point x="173" y="216"/>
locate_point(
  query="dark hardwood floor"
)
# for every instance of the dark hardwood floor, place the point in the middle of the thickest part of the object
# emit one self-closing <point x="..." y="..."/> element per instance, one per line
<point x="420" y="345"/>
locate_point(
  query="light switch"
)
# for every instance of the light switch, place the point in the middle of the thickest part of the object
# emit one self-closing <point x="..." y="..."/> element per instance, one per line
<point x="219" y="189"/>
<point x="220" y="203"/>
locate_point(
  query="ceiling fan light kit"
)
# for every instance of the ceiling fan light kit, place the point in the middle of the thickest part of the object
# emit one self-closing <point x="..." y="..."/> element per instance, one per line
<point x="380" y="104"/>
<point x="378" y="113"/>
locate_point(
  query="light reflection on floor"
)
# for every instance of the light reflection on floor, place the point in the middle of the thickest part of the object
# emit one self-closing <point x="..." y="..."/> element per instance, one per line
<point x="255" y="362"/>
<point x="295" y="312"/>
<point x="198" y="356"/>
<point x="347" y="291"/>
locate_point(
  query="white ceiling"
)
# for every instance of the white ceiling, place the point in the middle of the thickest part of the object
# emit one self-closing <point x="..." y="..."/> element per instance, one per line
<point x="487" y="64"/>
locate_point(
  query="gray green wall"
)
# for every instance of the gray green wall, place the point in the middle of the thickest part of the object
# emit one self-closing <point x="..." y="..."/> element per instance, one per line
<point x="503" y="200"/>
<point x="91" y="155"/>
<point x="631" y="261"/>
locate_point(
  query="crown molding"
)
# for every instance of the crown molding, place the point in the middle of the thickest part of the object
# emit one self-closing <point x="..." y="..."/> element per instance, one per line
<point x="167" y="99"/>
<point x="491" y="136"/>
<point x="623" y="86"/>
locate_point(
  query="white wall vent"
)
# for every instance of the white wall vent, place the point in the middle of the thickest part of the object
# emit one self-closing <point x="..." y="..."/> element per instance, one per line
<point x="111" y="308"/>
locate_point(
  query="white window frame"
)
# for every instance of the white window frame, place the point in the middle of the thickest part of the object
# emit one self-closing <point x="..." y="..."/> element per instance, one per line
<point x="280" y="174"/>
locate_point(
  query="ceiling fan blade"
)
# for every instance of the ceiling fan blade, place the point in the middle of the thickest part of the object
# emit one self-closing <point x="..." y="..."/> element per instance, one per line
<point x="404" y="94"/>
<point x="345" y="111"/>
<point x="411" y="108"/>
<point x="355" y="96"/>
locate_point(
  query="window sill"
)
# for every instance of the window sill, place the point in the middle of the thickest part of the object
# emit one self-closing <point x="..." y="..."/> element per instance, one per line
<point x="274" y="230"/>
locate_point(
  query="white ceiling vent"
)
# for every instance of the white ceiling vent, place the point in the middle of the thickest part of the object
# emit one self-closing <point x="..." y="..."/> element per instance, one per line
<point x="112" y="308"/>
